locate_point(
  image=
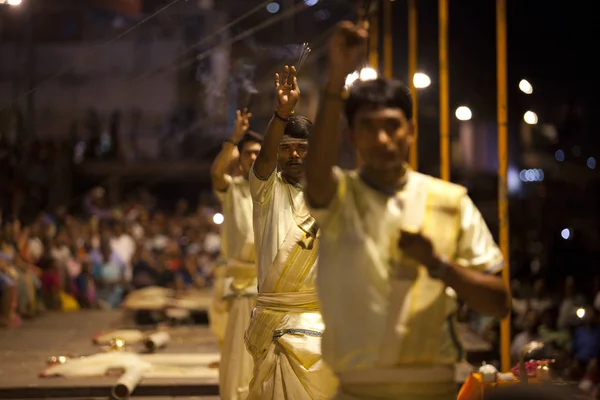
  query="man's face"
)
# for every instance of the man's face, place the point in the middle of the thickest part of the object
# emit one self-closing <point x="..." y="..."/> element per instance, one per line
<point x="290" y="158"/>
<point x="382" y="137"/>
<point x="248" y="155"/>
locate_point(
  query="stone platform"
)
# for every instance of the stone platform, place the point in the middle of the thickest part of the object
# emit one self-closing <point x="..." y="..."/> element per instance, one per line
<point x="24" y="352"/>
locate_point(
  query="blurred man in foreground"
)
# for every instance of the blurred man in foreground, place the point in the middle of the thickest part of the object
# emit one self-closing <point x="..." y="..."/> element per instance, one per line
<point x="396" y="245"/>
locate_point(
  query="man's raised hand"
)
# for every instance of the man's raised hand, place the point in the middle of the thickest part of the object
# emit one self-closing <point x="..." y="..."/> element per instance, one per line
<point x="288" y="91"/>
<point x="241" y="125"/>
<point x="347" y="49"/>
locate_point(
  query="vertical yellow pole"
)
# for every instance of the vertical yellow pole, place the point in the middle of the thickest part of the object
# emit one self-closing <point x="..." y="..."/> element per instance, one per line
<point x="413" y="43"/>
<point x="374" y="41"/>
<point x="388" y="61"/>
<point x="503" y="170"/>
<point x="444" y="93"/>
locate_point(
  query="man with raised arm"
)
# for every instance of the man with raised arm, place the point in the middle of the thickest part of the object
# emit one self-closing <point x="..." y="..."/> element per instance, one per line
<point x="238" y="288"/>
<point x="397" y="246"/>
<point x="285" y="330"/>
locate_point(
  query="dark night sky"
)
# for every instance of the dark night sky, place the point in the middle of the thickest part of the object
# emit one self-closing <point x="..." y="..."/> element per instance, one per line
<point x="550" y="43"/>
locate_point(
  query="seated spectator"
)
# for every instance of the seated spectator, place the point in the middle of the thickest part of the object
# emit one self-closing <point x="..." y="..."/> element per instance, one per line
<point x="571" y="301"/>
<point x="172" y="256"/>
<point x="145" y="269"/>
<point x="8" y="295"/>
<point x="191" y="275"/>
<point x="60" y="252"/>
<point x="540" y="301"/>
<point x="206" y="263"/>
<point x="86" y="287"/>
<point x="522" y="338"/>
<point x="122" y="243"/>
<point x="586" y="339"/>
<point x="109" y="272"/>
<point x="52" y="285"/>
<point x="551" y="334"/>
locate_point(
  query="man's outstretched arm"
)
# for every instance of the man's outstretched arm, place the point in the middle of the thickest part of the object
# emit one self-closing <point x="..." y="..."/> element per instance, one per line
<point x="229" y="152"/>
<point x="346" y="52"/>
<point x="288" y="94"/>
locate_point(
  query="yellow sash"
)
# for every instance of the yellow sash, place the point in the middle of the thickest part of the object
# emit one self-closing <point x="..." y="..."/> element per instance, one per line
<point x="240" y="279"/>
<point x="419" y="308"/>
<point x="288" y="287"/>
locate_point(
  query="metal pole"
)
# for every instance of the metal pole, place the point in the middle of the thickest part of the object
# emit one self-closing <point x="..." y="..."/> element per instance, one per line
<point x="31" y="81"/>
<point x="503" y="170"/>
<point x="387" y="40"/>
<point x="444" y="93"/>
<point x="413" y="44"/>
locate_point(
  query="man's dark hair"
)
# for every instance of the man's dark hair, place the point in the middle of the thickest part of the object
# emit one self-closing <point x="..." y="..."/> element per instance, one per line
<point x="298" y="127"/>
<point x="249" y="137"/>
<point x="378" y="93"/>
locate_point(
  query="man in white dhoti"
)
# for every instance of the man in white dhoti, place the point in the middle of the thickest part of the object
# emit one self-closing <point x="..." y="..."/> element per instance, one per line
<point x="396" y="246"/>
<point x="284" y="335"/>
<point x="239" y="286"/>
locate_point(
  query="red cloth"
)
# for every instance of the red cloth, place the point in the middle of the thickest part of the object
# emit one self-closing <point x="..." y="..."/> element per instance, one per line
<point x="50" y="281"/>
<point x="174" y="264"/>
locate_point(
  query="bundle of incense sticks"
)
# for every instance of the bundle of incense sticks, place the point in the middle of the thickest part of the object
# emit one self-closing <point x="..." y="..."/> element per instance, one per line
<point x="304" y="52"/>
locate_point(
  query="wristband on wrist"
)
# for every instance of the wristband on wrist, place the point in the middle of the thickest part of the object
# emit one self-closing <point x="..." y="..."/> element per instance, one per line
<point x="279" y="117"/>
<point x="231" y="141"/>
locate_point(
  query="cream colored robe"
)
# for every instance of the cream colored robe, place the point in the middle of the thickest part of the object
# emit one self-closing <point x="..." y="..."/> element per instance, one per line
<point x="285" y="331"/>
<point x="238" y="288"/>
<point x="390" y="328"/>
<point x="218" y="311"/>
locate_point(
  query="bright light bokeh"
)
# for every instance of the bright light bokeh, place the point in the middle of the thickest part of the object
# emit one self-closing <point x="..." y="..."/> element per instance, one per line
<point x="13" y="3"/>
<point x="421" y="80"/>
<point x="512" y="180"/>
<point x="463" y="113"/>
<point x="591" y="163"/>
<point x="559" y="155"/>
<point x="368" y="74"/>
<point x="530" y="118"/>
<point x="273" y="7"/>
<point x="531" y="175"/>
<point x="310" y="3"/>
<point x="350" y="79"/>
<point x="580" y="313"/>
<point x="565" y="233"/>
<point x="525" y="86"/>
<point x="218" y="218"/>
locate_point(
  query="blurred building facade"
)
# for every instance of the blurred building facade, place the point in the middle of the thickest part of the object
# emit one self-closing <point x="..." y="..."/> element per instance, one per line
<point x="67" y="52"/>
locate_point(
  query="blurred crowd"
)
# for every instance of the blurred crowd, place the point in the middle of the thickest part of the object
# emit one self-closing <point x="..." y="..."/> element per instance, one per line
<point x="61" y="261"/>
<point x="566" y="320"/>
